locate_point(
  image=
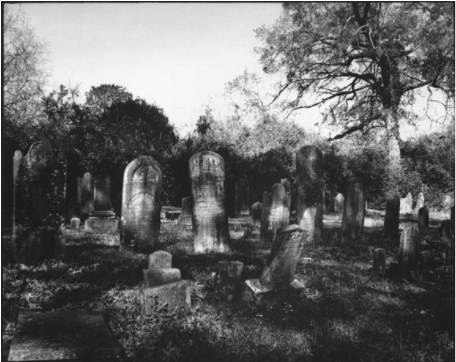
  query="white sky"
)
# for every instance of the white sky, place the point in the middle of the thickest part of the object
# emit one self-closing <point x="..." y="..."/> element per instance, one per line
<point x="175" y="55"/>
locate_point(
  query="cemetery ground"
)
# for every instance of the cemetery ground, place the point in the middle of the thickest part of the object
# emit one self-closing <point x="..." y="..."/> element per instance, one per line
<point x="345" y="313"/>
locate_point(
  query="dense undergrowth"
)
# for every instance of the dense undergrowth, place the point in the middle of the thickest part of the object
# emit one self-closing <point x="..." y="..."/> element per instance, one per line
<point x="345" y="313"/>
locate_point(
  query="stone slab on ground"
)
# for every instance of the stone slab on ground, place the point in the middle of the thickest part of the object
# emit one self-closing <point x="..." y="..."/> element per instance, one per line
<point x="101" y="226"/>
<point x="60" y="336"/>
<point x="176" y="295"/>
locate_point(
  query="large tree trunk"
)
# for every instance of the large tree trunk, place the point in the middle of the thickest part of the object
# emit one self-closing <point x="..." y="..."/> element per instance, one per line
<point x="394" y="169"/>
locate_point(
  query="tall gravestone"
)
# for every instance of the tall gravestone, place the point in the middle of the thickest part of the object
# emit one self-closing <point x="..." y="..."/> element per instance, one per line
<point x="279" y="213"/>
<point x="391" y="224"/>
<point x="264" y="228"/>
<point x="210" y="221"/>
<point x="256" y="213"/>
<point x="423" y="220"/>
<point x="39" y="204"/>
<point x="85" y="194"/>
<point x="241" y="198"/>
<point x="141" y="204"/>
<point x="309" y="182"/>
<point x="409" y="247"/>
<point x="185" y="218"/>
<point x="354" y="210"/>
<point x="16" y="163"/>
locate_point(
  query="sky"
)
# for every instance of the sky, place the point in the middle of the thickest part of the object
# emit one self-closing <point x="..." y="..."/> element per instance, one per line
<point x="175" y="55"/>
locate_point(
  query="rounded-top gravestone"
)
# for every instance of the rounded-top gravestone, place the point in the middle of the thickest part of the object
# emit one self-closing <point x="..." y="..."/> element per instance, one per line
<point x="141" y="204"/>
<point x="210" y="221"/>
<point x="309" y="183"/>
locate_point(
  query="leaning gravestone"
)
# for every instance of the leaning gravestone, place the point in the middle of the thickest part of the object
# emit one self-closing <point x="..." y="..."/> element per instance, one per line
<point x="264" y="228"/>
<point x="391" y="224"/>
<point x="309" y="182"/>
<point x="163" y="285"/>
<point x="227" y="279"/>
<point x="409" y="247"/>
<point x="354" y="210"/>
<point x="256" y="213"/>
<point x="185" y="218"/>
<point x="423" y="220"/>
<point x="85" y="194"/>
<point x="210" y="221"/>
<point x="63" y="336"/>
<point x="419" y="202"/>
<point x="241" y="198"/>
<point x="279" y="214"/>
<point x="141" y="204"/>
<point x="102" y="219"/>
<point x="39" y="204"/>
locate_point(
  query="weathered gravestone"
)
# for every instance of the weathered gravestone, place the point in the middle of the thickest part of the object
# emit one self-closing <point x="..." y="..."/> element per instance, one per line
<point x="406" y="205"/>
<point x="264" y="228"/>
<point x="241" y="198"/>
<point x="102" y="219"/>
<point x="210" y="221"/>
<point x="256" y="213"/>
<point x="17" y="158"/>
<point x="281" y="264"/>
<point x="74" y="224"/>
<point x="309" y="182"/>
<point x="227" y="279"/>
<point x="379" y="261"/>
<point x="391" y="224"/>
<point x="423" y="220"/>
<point x="419" y="202"/>
<point x="63" y="336"/>
<point x="141" y="204"/>
<point x="163" y="285"/>
<point x="39" y="204"/>
<point x="85" y="194"/>
<point x="279" y="213"/>
<point x="185" y="218"/>
<point x="409" y="247"/>
<point x="354" y="210"/>
<point x="339" y="204"/>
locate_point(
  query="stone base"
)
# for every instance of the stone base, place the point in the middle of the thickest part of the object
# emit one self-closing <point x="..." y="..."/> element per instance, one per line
<point x="61" y="336"/>
<point x="253" y="289"/>
<point x="103" y="214"/>
<point x="175" y="295"/>
<point x="156" y="277"/>
<point x="101" y="225"/>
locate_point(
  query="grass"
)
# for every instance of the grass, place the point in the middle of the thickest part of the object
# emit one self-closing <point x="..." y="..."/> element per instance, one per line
<point x="345" y="313"/>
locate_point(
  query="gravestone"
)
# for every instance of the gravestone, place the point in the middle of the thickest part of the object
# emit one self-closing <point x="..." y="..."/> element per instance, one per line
<point x="391" y="224"/>
<point x="423" y="220"/>
<point x="163" y="285"/>
<point x="227" y="279"/>
<point x="102" y="218"/>
<point x="406" y="205"/>
<point x="85" y="194"/>
<point x="185" y="218"/>
<point x="279" y="214"/>
<point x="309" y="183"/>
<point x="264" y="228"/>
<point x="241" y="198"/>
<point x="339" y="204"/>
<point x="39" y="204"/>
<point x="419" y="202"/>
<point x="210" y="221"/>
<point x="17" y="158"/>
<point x="75" y="223"/>
<point x="63" y="336"/>
<point x="379" y="261"/>
<point x="409" y="247"/>
<point x="256" y="213"/>
<point x="141" y="204"/>
<point x="354" y="210"/>
<point x="427" y="259"/>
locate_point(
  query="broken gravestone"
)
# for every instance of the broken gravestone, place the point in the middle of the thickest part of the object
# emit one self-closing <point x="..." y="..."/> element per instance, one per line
<point x="227" y="279"/>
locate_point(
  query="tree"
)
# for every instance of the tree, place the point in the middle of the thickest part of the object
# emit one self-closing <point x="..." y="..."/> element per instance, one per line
<point x="24" y="73"/>
<point x="100" y="98"/>
<point x="364" y="61"/>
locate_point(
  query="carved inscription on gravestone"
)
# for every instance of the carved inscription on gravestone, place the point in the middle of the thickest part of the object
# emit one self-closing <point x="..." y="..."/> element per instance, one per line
<point x="210" y="222"/>
<point x="141" y="204"/>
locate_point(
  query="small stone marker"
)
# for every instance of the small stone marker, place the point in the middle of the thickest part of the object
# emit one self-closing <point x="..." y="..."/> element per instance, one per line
<point x="391" y="225"/>
<point x="256" y="213"/>
<point x="63" y="336"/>
<point x="141" y="204"/>
<point x="210" y="221"/>
<point x="241" y="198"/>
<point x="423" y="220"/>
<point x="227" y="279"/>
<point x="185" y="218"/>
<point x="279" y="214"/>
<point x="75" y="223"/>
<point x="409" y="247"/>
<point x="339" y="204"/>
<point x="163" y="284"/>
<point x="354" y="210"/>
<point x="264" y="228"/>
<point x="419" y="202"/>
<point x="309" y="183"/>
<point x="85" y="194"/>
<point x="379" y="261"/>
